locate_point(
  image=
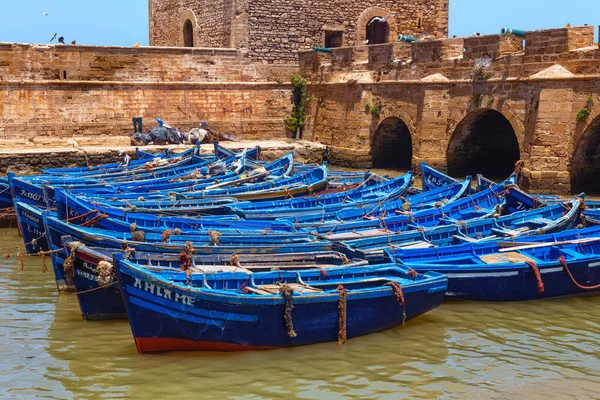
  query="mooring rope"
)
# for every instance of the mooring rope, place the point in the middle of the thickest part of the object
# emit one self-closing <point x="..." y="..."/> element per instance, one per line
<point x="538" y="276"/>
<point x="565" y="266"/>
<point x="399" y="297"/>
<point x="287" y="291"/>
<point x="342" y="314"/>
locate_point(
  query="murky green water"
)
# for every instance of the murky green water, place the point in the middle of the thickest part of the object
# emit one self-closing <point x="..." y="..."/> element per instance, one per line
<point x="533" y="350"/>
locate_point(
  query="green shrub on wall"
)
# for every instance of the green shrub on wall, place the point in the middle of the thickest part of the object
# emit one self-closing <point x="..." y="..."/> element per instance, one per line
<point x="296" y="120"/>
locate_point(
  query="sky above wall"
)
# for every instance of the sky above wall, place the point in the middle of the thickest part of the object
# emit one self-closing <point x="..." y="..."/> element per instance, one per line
<point x="125" y="22"/>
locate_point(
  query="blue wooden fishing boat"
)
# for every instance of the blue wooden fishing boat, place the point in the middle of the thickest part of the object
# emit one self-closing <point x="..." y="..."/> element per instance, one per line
<point x="497" y="200"/>
<point x="300" y="184"/>
<point x="93" y="273"/>
<point x="161" y="188"/>
<point x="39" y="191"/>
<point x="222" y="152"/>
<point x="80" y="211"/>
<point x="533" y="270"/>
<point x="239" y="311"/>
<point x="357" y="197"/>
<point x="6" y="200"/>
<point x="434" y="198"/>
<point x="111" y="166"/>
<point x="431" y="178"/>
<point x="56" y="229"/>
<point x="543" y="220"/>
<point x="592" y="213"/>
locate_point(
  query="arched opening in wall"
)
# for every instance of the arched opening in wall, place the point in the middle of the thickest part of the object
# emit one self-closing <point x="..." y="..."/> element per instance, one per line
<point x="585" y="165"/>
<point x="188" y="33"/>
<point x="378" y="31"/>
<point x="484" y="142"/>
<point x="392" y="145"/>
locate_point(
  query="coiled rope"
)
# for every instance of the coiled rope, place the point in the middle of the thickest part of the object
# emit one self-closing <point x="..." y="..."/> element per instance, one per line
<point x="105" y="273"/>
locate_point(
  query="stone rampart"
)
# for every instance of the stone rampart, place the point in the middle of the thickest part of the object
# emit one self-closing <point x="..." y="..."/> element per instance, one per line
<point x="458" y="98"/>
<point x="62" y="91"/>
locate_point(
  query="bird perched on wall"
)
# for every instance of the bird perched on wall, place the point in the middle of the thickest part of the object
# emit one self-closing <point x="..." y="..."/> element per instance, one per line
<point x="74" y="42"/>
<point x="53" y="37"/>
<point x="366" y="41"/>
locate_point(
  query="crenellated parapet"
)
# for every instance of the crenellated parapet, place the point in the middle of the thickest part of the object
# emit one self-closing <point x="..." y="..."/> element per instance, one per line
<point x="506" y="56"/>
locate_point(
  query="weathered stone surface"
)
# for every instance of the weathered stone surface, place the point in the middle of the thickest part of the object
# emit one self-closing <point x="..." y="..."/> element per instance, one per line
<point x="273" y="31"/>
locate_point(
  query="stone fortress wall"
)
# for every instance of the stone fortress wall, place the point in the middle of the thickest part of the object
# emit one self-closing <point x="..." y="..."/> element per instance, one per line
<point x="460" y="103"/>
<point x="273" y="31"/>
<point x="66" y="91"/>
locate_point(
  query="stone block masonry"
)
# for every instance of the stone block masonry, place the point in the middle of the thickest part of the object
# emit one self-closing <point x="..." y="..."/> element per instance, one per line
<point x="273" y="31"/>
<point x="62" y="91"/>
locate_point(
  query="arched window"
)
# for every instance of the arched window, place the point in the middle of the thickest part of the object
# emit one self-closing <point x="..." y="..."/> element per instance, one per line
<point x="188" y="33"/>
<point x="377" y="31"/>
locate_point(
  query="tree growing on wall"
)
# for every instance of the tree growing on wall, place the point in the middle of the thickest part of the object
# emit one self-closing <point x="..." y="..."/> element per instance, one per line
<point x="295" y="121"/>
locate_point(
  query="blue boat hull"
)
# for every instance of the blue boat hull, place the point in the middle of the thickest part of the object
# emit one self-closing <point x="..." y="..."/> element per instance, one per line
<point x="517" y="283"/>
<point x="166" y="317"/>
<point x="31" y="226"/>
<point x="96" y="301"/>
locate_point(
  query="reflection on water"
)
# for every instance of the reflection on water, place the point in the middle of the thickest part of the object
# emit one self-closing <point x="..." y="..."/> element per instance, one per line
<point x="530" y="350"/>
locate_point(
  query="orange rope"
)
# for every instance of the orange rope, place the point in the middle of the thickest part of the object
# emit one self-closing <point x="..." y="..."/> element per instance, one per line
<point x="81" y="216"/>
<point x="538" y="276"/>
<point x="563" y="262"/>
<point x="400" y="297"/>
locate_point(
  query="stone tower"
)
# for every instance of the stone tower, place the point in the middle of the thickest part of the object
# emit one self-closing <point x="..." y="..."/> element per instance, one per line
<point x="273" y="31"/>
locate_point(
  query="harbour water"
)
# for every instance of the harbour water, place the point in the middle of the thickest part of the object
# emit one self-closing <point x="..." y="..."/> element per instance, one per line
<point x="532" y="350"/>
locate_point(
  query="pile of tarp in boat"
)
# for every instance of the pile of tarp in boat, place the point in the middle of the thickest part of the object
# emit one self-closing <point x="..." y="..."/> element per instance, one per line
<point x="229" y="252"/>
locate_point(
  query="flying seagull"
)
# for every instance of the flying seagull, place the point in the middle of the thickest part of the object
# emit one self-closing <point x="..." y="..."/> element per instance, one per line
<point x="53" y="37"/>
<point x="46" y="13"/>
<point x="379" y="19"/>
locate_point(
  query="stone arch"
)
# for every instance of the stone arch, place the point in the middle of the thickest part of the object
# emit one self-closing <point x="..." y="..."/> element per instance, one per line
<point x="585" y="163"/>
<point x="484" y="142"/>
<point x="187" y="20"/>
<point x="392" y="146"/>
<point x="370" y="13"/>
<point x="505" y="109"/>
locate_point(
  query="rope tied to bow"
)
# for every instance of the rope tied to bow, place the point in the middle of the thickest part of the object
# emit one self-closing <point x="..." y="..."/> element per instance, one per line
<point x="235" y="261"/>
<point x="287" y="291"/>
<point x="69" y="263"/>
<point x="214" y="237"/>
<point x="565" y="266"/>
<point x="105" y="273"/>
<point x="399" y="297"/>
<point x="342" y="314"/>
<point x="186" y="257"/>
<point x="137" y="236"/>
<point x="538" y="276"/>
<point x="165" y="235"/>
